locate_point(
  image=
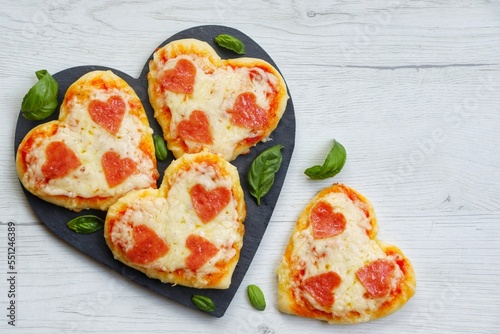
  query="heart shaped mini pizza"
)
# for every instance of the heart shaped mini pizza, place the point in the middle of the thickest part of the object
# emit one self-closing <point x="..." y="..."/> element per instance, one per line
<point x="205" y="103"/>
<point x="99" y="149"/>
<point x="187" y="232"/>
<point x="335" y="269"/>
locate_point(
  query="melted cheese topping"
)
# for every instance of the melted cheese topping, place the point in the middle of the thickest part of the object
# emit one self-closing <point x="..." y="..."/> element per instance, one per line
<point x="173" y="218"/>
<point x="215" y="92"/>
<point x="343" y="254"/>
<point x="90" y="141"/>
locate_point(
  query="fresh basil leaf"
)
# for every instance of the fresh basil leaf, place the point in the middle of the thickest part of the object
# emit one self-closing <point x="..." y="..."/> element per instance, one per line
<point x="203" y="303"/>
<point x="332" y="165"/>
<point x="86" y="224"/>
<point x="160" y="148"/>
<point x="256" y="297"/>
<point x="41" y="100"/>
<point x="261" y="174"/>
<point x="231" y="43"/>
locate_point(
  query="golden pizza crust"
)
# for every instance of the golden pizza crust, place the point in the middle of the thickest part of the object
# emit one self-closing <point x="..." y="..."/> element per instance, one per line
<point x="207" y="61"/>
<point x="76" y="129"/>
<point x="291" y="298"/>
<point x="174" y="219"/>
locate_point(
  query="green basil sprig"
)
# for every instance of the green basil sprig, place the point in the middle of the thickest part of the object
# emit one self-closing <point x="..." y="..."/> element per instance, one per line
<point x="86" y="224"/>
<point x="332" y="165"/>
<point x="262" y="171"/>
<point x="231" y="43"/>
<point x="256" y="297"/>
<point x="160" y="148"/>
<point x="203" y="303"/>
<point x="41" y="100"/>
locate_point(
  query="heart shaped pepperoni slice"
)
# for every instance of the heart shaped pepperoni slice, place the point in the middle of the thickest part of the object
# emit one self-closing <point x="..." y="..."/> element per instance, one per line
<point x="180" y="79"/>
<point x="209" y="203"/>
<point x="116" y="169"/>
<point x="108" y="114"/>
<point x="148" y="245"/>
<point x="60" y="160"/>
<point x="201" y="249"/>
<point x="320" y="287"/>
<point x="247" y="113"/>
<point x="326" y="222"/>
<point x="376" y="277"/>
<point x="195" y="128"/>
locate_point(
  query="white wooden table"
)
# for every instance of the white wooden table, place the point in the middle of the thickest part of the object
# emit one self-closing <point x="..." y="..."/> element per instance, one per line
<point x="410" y="88"/>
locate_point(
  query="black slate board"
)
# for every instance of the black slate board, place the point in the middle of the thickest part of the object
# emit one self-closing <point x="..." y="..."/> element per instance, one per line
<point x="55" y="217"/>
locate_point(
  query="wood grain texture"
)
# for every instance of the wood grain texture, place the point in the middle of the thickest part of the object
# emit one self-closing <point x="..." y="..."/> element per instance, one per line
<point x="410" y="88"/>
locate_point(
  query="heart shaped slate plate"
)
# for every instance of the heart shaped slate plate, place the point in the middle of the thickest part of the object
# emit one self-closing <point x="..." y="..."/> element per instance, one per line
<point x="257" y="219"/>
